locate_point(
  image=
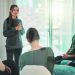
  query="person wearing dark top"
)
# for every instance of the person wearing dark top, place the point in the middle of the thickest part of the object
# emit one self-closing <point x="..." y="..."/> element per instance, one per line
<point x="13" y="67"/>
<point x="4" y="69"/>
<point x="38" y="55"/>
<point x="70" y="54"/>
<point x="12" y="30"/>
<point x="71" y="51"/>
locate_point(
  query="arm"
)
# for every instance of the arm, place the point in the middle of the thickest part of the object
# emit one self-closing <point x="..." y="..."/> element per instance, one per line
<point x="21" y="62"/>
<point x="71" y="52"/>
<point x="2" y="66"/>
<point x="8" y="33"/>
<point x="71" y="56"/>
<point x="22" y="31"/>
<point x="50" y="60"/>
<point x="72" y="44"/>
<point x="68" y="51"/>
<point x="67" y="56"/>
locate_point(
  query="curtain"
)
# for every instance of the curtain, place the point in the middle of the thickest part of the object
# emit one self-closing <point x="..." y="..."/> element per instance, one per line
<point x="54" y="20"/>
<point x="34" y="13"/>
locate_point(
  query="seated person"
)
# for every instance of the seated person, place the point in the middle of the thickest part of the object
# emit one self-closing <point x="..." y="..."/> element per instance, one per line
<point x="70" y="55"/>
<point x="13" y="66"/>
<point x="38" y="55"/>
<point x="4" y="70"/>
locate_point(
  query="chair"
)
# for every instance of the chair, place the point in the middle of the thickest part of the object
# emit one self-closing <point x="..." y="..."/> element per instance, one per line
<point x="34" y="70"/>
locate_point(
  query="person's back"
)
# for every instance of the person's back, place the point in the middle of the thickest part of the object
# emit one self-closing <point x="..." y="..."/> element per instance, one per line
<point x="44" y="56"/>
<point x="38" y="55"/>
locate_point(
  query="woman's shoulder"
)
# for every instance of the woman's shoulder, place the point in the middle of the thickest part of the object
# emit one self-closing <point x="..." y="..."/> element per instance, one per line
<point x="25" y="54"/>
<point x="5" y="21"/>
<point x="46" y="48"/>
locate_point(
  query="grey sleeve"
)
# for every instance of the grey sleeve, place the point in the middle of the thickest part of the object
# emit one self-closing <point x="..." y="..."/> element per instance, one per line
<point x="6" y="32"/>
<point x="50" y="60"/>
<point x="22" y="31"/>
<point x="21" y="62"/>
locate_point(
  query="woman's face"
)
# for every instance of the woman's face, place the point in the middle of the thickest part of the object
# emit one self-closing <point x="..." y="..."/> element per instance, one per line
<point x="14" y="12"/>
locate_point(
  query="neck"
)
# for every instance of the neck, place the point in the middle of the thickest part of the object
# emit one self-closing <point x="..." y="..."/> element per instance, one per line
<point x="35" y="45"/>
<point x="13" y="17"/>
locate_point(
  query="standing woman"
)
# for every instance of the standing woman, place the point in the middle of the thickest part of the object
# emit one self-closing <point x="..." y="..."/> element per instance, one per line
<point x="13" y="29"/>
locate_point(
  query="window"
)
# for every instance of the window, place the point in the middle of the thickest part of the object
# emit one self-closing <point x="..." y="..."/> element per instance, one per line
<point x="61" y="25"/>
<point x="34" y="13"/>
<point x="52" y="18"/>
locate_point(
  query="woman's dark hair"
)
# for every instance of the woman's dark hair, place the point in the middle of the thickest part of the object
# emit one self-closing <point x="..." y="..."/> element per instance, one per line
<point x="32" y="34"/>
<point x="11" y="8"/>
<point x="9" y="20"/>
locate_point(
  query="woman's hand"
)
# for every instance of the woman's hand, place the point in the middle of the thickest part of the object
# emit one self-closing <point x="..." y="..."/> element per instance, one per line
<point x="18" y="27"/>
<point x="65" y="56"/>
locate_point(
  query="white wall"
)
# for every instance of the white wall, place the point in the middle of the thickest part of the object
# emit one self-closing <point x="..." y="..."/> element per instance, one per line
<point x="4" y="10"/>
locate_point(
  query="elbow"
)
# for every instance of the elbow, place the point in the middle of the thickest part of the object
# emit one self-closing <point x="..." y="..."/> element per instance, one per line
<point x="4" y="33"/>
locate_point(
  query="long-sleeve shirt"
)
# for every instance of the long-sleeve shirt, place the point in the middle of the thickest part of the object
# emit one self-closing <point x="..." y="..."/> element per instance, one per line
<point x="43" y="56"/>
<point x="72" y="48"/>
<point x="13" y="39"/>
